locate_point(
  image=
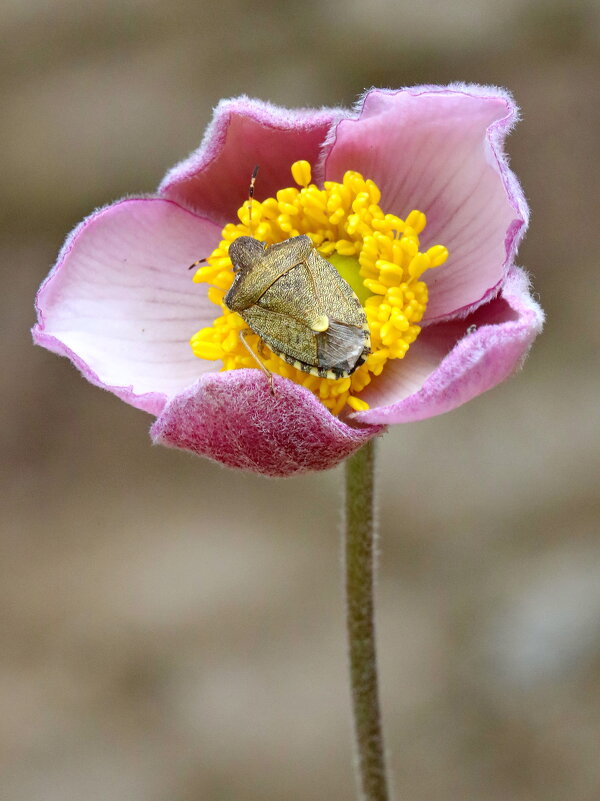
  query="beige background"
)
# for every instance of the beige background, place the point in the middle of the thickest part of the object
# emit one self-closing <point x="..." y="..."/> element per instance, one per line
<point x="172" y="631"/>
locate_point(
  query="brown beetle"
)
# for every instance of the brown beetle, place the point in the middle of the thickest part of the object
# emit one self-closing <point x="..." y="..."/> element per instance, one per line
<point x="299" y="305"/>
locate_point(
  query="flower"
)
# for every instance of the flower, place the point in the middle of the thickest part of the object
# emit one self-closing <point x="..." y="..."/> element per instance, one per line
<point x="376" y="253"/>
<point x="120" y="303"/>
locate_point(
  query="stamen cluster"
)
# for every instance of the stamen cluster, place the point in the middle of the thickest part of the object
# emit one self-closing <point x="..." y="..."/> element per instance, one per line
<point x="377" y="253"/>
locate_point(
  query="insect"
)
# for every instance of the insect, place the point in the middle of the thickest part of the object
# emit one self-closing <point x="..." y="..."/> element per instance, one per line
<point x="298" y="304"/>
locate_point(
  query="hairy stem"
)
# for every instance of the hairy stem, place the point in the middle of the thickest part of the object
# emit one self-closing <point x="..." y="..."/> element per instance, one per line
<point x="360" y="568"/>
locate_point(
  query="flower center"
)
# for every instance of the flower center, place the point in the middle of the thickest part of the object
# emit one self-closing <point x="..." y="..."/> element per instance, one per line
<point x="376" y="253"/>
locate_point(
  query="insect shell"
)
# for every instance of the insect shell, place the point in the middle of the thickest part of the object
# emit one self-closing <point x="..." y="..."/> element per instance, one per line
<point x="299" y="305"/>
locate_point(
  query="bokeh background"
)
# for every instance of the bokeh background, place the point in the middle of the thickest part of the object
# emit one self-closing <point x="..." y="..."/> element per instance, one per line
<point x="173" y="631"/>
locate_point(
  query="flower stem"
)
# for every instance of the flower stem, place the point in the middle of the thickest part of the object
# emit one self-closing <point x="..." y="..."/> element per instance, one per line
<point x="360" y="569"/>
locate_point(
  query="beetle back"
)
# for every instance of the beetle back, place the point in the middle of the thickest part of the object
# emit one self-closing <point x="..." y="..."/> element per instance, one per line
<point x="300" y="306"/>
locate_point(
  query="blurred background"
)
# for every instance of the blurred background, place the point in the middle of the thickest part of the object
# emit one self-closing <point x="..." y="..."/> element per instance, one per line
<point x="173" y="631"/>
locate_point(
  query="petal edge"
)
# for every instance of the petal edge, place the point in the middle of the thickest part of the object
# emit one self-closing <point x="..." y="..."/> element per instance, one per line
<point x="452" y="364"/>
<point x="232" y="418"/>
<point x="445" y="144"/>
<point x="244" y="132"/>
<point x="120" y="302"/>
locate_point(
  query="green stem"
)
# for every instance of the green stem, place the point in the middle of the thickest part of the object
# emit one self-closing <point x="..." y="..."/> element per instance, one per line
<point x="360" y="563"/>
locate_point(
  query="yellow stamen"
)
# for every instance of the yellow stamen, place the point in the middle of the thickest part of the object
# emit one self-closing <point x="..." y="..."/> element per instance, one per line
<point x="301" y="173"/>
<point x="377" y="253"/>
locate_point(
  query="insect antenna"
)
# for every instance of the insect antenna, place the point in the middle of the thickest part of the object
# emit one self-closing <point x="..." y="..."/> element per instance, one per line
<point x="196" y="263"/>
<point x="251" y="196"/>
<point x="250" y="199"/>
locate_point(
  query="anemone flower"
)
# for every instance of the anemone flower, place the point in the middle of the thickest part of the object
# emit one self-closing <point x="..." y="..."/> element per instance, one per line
<point x="410" y="197"/>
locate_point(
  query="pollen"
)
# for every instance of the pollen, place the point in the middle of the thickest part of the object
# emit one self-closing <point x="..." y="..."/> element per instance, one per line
<point x="377" y="253"/>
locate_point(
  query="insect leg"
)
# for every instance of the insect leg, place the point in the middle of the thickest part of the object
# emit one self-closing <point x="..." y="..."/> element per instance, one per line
<point x="260" y="347"/>
<point x="243" y="334"/>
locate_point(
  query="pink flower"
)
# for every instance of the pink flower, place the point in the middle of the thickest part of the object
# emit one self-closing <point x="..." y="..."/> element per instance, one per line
<point x="121" y="305"/>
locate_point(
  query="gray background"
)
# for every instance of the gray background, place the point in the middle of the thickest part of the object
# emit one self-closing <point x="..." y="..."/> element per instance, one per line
<point x="173" y="631"/>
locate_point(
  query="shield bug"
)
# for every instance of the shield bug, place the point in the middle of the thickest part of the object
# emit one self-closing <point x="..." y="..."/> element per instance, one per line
<point x="298" y="304"/>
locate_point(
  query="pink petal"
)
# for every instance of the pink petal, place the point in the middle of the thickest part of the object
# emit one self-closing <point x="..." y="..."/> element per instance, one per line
<point x="121" y="304"/>
<point x="233" y="418"/>
<point x="440" y="150"/>
<point x="214" y="179"/>
<point x="449" y="365"/>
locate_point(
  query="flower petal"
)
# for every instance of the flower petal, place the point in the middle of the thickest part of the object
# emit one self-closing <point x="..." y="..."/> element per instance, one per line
<point x="453" y="362"/>
<point x="440" y="150"/>
<point x="214" y="179"/>
<point x="120" y="301"/>
<point x="233" y="418"/>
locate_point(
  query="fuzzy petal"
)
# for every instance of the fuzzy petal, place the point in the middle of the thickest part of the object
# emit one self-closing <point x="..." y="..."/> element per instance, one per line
<point x="233" y="418"/>
<point x="453" y="362"/>
<point x="214" y="179"/>
<point x="440" y="150"/>
<point x="121" y="304"/>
